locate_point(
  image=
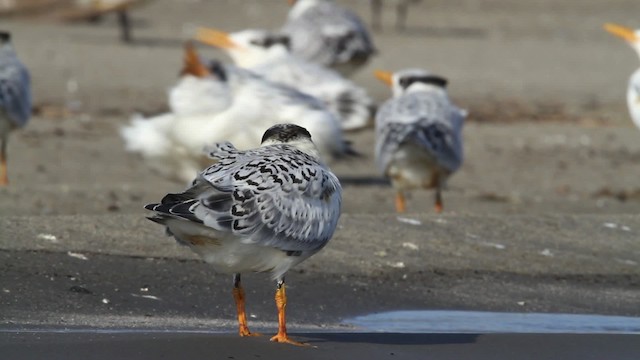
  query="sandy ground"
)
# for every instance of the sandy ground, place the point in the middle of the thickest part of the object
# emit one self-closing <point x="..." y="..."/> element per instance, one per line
<point x="543" y="212"/>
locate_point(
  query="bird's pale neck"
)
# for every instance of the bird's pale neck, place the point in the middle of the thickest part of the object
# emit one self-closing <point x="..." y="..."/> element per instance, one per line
<point x="419" y="87"/>
<point x="305" y="145"/>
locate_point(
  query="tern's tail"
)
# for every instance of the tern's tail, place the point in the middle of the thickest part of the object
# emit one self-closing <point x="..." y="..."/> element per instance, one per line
<point x="147" y="136"/>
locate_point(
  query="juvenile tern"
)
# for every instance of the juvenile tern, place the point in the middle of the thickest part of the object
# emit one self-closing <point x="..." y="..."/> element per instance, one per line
<point x="260" y="210"/>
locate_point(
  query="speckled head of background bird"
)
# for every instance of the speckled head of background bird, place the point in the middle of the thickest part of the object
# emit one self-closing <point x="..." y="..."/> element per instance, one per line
<point x="290" y="134"/>
<point x="407" y="80"/>
<point x="631" y="36"/>
<point x="248" y="47"/>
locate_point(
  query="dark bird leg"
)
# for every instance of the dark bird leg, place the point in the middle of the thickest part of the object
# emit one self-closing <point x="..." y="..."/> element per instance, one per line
<point x="401" y="203"/>
<point x="281" y="303"/>
<point x="238" y="296"/>
<point x="438" y="205"/>
<point x="125" y="25"/>
<point x="376" y="15"/>
<point x="401" y="15"/>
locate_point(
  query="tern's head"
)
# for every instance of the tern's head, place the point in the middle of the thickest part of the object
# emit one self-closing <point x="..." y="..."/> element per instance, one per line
<point x="201" y="88"/>
<point x="5" y="37"/>
<point x="290" y="134"/>
<point x="408" y="80"/>
<point x="631" y="36"/>
<point x="248" y="47"/>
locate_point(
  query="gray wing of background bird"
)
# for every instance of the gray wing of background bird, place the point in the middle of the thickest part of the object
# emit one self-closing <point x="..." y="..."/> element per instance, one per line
<point x="275" y="94"/>
<point x="15" y="87"/>
<point x="329" y="34"/>
<point x="274" y="196"/>
<point x="427" y="120"/>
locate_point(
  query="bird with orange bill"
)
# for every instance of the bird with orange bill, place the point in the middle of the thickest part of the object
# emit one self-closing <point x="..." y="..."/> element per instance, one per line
<point x="329" y="34"/>
<point x="632" y="37"/>
<point x="217" y="102"/>
<point x="418" y="134"/>
<point x="268" y="54"/>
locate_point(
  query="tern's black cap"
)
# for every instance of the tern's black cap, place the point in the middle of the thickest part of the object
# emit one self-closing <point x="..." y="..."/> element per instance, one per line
<point x="5" y="36"/>
<point x="285" y="133"/>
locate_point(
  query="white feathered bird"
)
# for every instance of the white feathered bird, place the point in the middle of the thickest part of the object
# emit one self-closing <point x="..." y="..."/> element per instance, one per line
<point x="15" y="98"/>
<point x="326" y="33"/>
<point x="268" y="54"/>
<point x="223" y="103"/>
<point x="633" y="90"/>
<point x="418" y="134"/>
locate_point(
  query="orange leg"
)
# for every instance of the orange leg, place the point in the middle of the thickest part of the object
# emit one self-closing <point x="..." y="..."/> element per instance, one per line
<point x="401" y="205"/>
<point x="238" y="296"/>
<point x="438" y="206"/>
<point x="281" y="303"/>
<point x="4" y="178"/>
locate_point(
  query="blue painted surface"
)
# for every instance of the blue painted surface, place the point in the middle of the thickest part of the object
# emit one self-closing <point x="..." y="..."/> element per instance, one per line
<point x="494" y="322"/>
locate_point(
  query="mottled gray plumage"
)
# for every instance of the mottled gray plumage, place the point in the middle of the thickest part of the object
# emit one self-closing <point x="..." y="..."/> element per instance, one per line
<point x="15" y="98"/>
<point x="15" y="87"/>
<point x="428" y="120"/>
<point x="278" y="196"/>
<point x="418" y="134"/>
<point x="326" y="33"/>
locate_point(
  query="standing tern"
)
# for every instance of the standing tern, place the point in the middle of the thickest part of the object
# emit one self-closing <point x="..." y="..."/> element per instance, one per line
<point x="418" y="134"/>
<point x="15" y="98"/>
<point x="261" y="210"/>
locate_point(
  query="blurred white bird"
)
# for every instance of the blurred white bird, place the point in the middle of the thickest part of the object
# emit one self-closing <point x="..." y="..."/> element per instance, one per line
<point x="15" y="98"/>
<point x="633" y="91"/>
<point x="267" y="54"/>
<point x="418" y="134"/>
<point x="260" y="210"/>
<point x="324" y="32"/>
<point x="223" y="103"/>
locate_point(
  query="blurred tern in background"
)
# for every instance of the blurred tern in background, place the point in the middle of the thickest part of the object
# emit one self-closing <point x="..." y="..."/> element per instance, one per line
<point x="418" y="134"/>
<point x="268" y="54"/>
<point x="324" y="32"/>
<point x="15" y="98"/>
<point x="633" y="91"/>
<point x="217" y="102"/>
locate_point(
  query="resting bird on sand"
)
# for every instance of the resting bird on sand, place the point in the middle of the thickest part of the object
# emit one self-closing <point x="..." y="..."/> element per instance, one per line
<point x="261" y="210"/>
<point x="267" y="54"/>
<point x="220" y="102"/>
<point x="633" y="91"/>
<point x="418" y="134"/>
<point x="326" y="33"/>
<point x="15" y="98"/>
